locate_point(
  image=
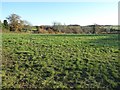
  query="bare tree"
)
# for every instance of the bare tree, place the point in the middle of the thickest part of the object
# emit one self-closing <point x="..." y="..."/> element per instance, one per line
<point x="15" y="22"/>
<point x="57" y="26"/>
<point x="27" y="26"/>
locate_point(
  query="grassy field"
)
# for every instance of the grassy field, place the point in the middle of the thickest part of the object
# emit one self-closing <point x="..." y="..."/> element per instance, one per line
<point x="60" y="61"/>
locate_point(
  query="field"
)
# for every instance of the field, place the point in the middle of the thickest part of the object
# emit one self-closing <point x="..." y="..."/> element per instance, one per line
<point x="60" y="61"/>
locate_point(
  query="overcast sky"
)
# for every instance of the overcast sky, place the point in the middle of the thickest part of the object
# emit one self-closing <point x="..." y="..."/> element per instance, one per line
<point x="45" y="13"/>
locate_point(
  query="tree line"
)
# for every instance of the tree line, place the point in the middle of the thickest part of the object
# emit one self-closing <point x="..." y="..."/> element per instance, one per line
<point x="14" y="23"/>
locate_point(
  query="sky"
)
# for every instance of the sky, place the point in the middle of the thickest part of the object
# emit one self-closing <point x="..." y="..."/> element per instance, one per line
<point x="45" y="13"/>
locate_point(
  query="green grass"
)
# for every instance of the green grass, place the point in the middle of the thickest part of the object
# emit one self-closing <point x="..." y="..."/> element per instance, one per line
<point x="60" y="61"/>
